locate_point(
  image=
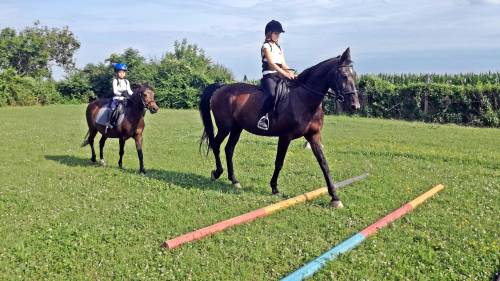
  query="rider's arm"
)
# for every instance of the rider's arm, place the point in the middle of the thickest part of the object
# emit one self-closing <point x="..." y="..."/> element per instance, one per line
<point x="129" y="91"/>
<point x="115" y="88"/>
<point x="274" y="66"/>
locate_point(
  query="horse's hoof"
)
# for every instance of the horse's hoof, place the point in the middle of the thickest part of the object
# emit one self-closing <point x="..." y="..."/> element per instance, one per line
<point x="237" y="185"/>
<point x="102" y="163"/>
<point x="215" y="175"/>
<point x="92" y="160"/>
<point x="337" y="204"/>
<point x="275" y="191"/>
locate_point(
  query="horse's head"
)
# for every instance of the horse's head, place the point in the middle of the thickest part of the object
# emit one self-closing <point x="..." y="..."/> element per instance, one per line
<point x="147" y="96"/>
<point x="344" y="82"/>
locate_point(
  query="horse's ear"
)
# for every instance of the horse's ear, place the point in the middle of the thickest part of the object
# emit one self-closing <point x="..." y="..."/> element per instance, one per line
<point x="346" y="56"/>
<point x="149" y="86"/>
<point x="135" y="86"/>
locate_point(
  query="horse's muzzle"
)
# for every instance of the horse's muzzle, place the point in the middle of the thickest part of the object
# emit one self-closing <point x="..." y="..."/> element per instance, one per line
<point x="153" y="108"/>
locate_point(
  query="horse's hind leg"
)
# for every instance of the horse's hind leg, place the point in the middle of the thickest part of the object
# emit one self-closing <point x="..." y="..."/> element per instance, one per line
<point x="90" y="140"/>
<point x="101" y="150"/>
<point x="219" y="138"/>
<point x="229" y="149"/>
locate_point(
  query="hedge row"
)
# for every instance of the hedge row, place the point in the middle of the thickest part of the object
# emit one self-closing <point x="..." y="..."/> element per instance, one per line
<point x="477" y="105"/>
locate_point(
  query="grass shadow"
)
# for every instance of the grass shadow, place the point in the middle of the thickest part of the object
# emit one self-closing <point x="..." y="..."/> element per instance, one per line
<point x="181" y="179"/>
<point x="71" y="161"/>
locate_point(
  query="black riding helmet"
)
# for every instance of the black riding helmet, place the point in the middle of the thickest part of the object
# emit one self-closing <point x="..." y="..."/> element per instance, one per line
<point x="274" y="26"/>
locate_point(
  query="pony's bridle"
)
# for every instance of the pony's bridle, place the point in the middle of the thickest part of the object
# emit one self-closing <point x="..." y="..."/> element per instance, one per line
<point x="144" y="103"/>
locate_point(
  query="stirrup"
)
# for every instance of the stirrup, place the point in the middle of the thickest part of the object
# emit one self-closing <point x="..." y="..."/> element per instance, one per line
<point x="263" y="123"/>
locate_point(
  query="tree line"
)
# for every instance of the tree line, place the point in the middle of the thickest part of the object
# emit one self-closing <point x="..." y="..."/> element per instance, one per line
<point x="28" y="56"/>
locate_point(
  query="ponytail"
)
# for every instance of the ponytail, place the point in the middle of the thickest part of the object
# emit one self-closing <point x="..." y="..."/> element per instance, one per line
<point x="117" y="78"/>
<point x="268" y="37"/>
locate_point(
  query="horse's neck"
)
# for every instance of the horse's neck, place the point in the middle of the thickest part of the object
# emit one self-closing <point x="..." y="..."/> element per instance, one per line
<point x="318" y="81"/>
<point x="135" y="110"/>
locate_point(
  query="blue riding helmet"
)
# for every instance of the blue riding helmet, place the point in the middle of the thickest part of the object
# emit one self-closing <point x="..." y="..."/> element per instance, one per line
<point x="120" y="66"/>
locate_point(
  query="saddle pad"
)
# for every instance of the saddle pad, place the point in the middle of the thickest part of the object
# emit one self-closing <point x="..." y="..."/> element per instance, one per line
<point x="104" y="115"/>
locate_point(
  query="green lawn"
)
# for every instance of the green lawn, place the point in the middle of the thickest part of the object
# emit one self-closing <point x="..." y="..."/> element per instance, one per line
<point x="62" y="217"/>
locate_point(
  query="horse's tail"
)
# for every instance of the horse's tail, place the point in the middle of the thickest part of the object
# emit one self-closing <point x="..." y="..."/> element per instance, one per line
<point x="204" y="107"/>
<point x="85" y="139"/>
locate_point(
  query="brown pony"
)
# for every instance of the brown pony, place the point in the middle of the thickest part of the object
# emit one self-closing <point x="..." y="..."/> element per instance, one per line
<point x="132" y="125"/>
<point x="238" y="106"/>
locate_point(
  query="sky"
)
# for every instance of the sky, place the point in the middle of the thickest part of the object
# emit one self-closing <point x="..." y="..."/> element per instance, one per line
<point x="385" y="36"/>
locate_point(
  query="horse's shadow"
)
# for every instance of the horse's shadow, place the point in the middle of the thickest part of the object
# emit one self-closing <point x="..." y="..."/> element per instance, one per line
<point x="181" y="179"/>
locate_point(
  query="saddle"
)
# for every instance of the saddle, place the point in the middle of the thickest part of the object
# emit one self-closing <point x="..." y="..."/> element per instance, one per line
<point x="106" y="112"/>
<point x="281" y="92"/>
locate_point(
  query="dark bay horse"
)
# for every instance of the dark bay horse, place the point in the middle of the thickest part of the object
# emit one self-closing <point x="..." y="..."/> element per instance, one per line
<point x="132" y="125"/>
<point x="237" y="107"/>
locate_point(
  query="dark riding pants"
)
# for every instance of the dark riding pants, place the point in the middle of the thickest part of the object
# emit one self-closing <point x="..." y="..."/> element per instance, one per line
<point x="118" y="109"/>
<point x="269" y="82"/>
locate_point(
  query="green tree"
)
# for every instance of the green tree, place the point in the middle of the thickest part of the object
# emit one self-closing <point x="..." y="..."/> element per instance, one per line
<point x="33" y="51"/>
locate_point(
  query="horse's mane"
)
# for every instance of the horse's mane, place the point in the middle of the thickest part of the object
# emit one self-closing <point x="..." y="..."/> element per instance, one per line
<point x="306" y="74"/>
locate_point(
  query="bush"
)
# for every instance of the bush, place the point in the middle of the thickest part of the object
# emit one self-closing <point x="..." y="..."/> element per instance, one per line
<point x="76" y="87"/>
<point x="21" y="90"/>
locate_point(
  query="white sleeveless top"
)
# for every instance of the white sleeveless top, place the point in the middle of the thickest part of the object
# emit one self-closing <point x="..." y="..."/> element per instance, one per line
<point x="276" y="55"/>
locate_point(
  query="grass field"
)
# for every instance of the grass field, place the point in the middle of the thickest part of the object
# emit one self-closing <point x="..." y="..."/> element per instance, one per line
<point x="62" y="217"/>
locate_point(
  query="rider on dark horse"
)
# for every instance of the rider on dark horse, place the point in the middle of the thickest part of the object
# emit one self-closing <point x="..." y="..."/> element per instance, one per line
<point x="274" y="68"/>
<point x="121" y="91"/>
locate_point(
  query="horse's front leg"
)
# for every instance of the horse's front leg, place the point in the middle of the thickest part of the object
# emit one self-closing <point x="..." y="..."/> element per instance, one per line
<point x="316" y="147"/>
<point x="122" y="151"/>
<point x="283" y="144"/>
<point x="138" y="146"/>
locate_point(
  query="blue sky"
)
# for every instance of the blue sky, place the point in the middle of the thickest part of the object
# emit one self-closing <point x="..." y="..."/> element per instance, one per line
<point x="384" y="35"/>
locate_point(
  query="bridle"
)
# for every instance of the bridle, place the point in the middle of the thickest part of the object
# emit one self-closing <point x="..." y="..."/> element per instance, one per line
<point x="144" y="103"/>
<point x="332" y="91"/>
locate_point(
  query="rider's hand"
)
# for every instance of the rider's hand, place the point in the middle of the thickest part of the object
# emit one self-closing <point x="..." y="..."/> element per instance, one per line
<point x="290" y="75"/>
